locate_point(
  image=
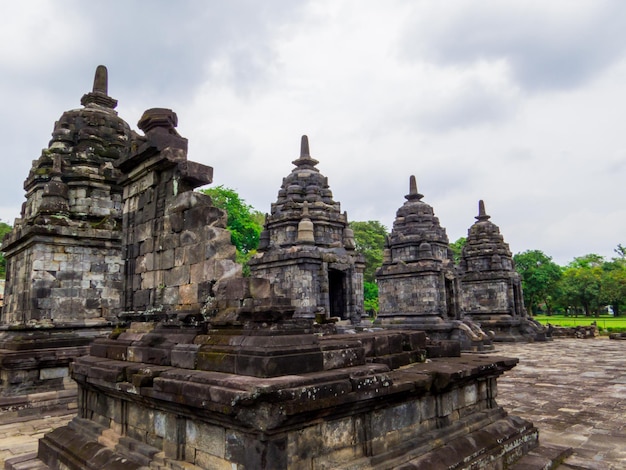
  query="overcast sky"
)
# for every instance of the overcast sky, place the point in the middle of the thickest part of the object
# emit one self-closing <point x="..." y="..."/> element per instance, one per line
<point x="520" y="103"/>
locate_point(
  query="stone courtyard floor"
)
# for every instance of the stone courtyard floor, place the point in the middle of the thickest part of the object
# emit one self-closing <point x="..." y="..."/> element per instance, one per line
<point x="573" y="390"/>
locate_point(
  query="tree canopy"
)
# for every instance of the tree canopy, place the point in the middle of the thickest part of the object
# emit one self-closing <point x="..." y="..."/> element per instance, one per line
<point x="457" y="249"/>
<point x="369" y="237"/>
<point x="540" y="276"/>
<point x="244" y="222"/>
<point x="590" y="283"/>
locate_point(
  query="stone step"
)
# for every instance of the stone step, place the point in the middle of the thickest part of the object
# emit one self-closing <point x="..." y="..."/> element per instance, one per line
<point x="543" y="457"/>
<point x="25" y="462"/>
<point x="579" y="463"/>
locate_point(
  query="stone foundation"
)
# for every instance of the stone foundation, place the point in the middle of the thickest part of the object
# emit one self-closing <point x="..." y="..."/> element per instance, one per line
<point x="366" y="404"/>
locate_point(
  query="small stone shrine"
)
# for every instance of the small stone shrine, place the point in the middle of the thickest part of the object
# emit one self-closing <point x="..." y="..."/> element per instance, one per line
<point x="417" y="284"/>
<point x="307" y="248"/>
<point x="491" y="288"/>
<point x="208" y="369"/>
<point x="64" y="258"/>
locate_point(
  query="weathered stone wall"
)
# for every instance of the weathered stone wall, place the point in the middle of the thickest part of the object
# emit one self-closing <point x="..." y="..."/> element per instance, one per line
<point x="491" y="296"/>
<point x="65" y="282"/>
<point x="415" y="293"/>
<point x="175" y="243"/>
<point x="411" y="252"/>
<point x="319" y="444"/>
<point x="296" y="281"/>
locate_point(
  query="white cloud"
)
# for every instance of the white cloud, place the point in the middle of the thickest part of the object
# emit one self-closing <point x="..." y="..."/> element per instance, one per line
<point x="516" y="103"/>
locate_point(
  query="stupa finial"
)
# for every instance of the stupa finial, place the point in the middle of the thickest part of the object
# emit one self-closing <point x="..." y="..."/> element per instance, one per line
<point x="101" y="80"/>
<point x="482" y="214"/>
<point x="304" y="147"/>
<point x="99" y="94"/>
<point x="305" y="159"/>
<point x="413" y="194"/>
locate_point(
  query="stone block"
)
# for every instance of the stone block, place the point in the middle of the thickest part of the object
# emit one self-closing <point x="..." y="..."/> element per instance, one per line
<point x="177" y="276"/>
<point x="166" y="259"/>
<point x="188" y="294"/>
<point x="395" y="418"/>
<point x="205" y="460"/>
<point x="185" y="355"/>
<point x="206" y="438"/>
<point x="470" y="394"/>
<point x="381" y="345"/>
<point x="53" y="373"/>
<point x="149" y="355"/>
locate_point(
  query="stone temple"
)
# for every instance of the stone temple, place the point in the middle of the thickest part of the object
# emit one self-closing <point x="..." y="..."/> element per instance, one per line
<point x="307" y="248"/>
<point x="208" y="369"/>
<point x="491" y="288"/>
<point x="64" y="258"/>
<point x="477" y="302"/>
<point x="418" y="284"/>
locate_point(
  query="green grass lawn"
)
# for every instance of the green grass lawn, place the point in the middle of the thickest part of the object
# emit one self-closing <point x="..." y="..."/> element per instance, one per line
<point x="604" y="322"/>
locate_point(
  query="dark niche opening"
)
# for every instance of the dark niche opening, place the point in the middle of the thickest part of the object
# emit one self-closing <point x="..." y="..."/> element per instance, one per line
<point x="337" y="294"/>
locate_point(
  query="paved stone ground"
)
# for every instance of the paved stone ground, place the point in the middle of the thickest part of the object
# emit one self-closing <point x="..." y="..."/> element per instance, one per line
<point x="22" y="437"/>
<point x="573" y="390"/>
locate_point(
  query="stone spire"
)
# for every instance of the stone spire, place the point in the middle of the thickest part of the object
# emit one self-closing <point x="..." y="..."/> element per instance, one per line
<point x="491" y="288"/>
<point x="306" y="247"/>
<point x="305" y="160"/>
<point x="305" y="186"/>
<point x="485" y="249"/>
<point x="482" y="215"/>
<point x="417" y="285"/>
<point x="416" y="223"/>
<point x="99" y="94"/>
<point x="413" y="194"/>
<point x="73" y="196"/>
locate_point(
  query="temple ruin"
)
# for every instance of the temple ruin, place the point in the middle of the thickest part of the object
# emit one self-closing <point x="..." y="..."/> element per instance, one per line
<point x="417" y="284"/>
<point x="477" y="302"/>
<point x="64" y="258"/>
<point x="307" y="248"/>
<point x="491" y="288"/>
<point x="208" y="369"/>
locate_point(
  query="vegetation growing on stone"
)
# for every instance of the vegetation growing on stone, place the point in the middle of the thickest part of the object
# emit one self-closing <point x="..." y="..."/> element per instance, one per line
<point x="244" y="222"/>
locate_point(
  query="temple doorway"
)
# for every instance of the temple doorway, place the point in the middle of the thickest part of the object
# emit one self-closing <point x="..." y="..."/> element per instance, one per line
<point x="337" y="294"/>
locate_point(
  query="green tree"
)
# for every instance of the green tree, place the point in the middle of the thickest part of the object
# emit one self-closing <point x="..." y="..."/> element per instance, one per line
<point x="370" y="294"/>
<point x="4" y="229"/>
<point x="244" y="222"/>
<point x="457" y="249"/>
<point x="369" y="238"/>
<point x="540" y="276"/>
<point x="580" y="285"/>
<point x="591" y="260"/>
<point x="613" y="284"/>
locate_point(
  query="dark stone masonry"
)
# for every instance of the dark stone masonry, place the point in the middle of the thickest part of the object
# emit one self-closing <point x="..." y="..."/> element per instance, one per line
<point x="180" y="362"/>
<point x="491" y="288"/>
<point x="307" y="248"/>
<point x="64" y="258"/>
